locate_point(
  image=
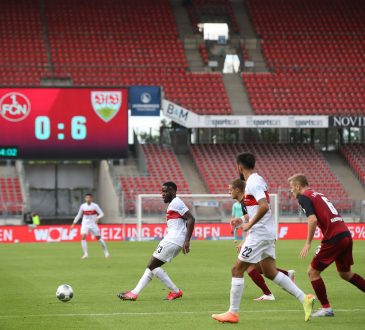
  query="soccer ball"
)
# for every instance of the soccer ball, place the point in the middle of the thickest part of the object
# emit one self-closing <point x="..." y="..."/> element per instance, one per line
<point x="64" y="292"/>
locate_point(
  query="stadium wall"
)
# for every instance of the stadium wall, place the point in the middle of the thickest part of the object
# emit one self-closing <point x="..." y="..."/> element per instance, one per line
<point x="129" y="232"/>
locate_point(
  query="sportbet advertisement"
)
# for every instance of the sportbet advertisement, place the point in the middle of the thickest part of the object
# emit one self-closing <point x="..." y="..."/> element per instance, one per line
<point x="63" y="123"/>
<point x="41" y="234"/>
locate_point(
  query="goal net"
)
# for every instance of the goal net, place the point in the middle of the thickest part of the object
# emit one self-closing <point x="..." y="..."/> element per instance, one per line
<point x="215" y="209"/>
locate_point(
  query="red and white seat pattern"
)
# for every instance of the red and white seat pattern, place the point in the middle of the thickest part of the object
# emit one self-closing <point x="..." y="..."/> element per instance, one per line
<point x="315" y="51"/>
<point x="162" y="166"/>
<point x="23" y="58"/>
<point x="275" y="162"/>
<point x="11" y="199"/>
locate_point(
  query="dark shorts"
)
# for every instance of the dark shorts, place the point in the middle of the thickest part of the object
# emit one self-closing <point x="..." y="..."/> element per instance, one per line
<point x="339" y="252"/>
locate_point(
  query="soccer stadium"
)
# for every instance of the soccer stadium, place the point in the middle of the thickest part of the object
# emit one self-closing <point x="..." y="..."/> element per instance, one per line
<point x="161" y="159"/>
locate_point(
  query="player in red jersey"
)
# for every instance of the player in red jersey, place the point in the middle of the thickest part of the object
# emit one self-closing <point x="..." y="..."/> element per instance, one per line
<point x="336" y="245"/>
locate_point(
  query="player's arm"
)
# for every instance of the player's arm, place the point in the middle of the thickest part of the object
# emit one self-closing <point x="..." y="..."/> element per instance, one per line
<point x="236" y="222"/>
<point x="262" y="210"/>
<point x="245" y="216"/>
<point x="260" y="195"/>
<point x="190" y="222"/>
<point x="77" y="218"/>
<point x="100" y="213"/>
<point x="307" y="205"/>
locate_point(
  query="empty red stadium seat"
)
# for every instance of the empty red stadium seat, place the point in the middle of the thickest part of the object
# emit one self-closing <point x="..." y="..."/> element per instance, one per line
<point x="355" y="157"/>
<point x="315" y="53"/>
<point x="162" y="166"/>
<point x="11" y="199"/>
<point x="216" y="163"/>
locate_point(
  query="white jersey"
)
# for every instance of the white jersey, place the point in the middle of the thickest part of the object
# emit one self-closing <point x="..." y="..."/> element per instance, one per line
<point x="176" y="225"/>
<point x="256" y="189"/>
<point x="89" y="213"/>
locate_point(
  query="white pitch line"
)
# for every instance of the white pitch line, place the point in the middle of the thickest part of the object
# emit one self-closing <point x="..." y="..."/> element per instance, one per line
<point x="165" y="313"/>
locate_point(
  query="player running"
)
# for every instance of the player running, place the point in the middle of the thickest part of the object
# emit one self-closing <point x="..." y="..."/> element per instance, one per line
<point x="91" y="213"/>
<point x="180" y="225"/>
<point x="336" y="245"/>
<point x="259" y="246"/>
<point x="239" y="210"/>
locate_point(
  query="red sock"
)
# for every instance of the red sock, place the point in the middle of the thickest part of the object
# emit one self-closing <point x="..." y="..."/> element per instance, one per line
<point x="285" y="272"/>
<point x="358" y="281"/>
<point x="320" y="290"/>
<point x="259" y="281"/>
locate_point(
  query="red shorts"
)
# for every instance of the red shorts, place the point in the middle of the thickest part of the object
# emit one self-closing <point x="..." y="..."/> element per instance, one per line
<point x="339" y="252"/>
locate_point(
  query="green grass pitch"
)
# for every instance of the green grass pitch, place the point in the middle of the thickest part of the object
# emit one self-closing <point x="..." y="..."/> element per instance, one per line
<point x="30" y="274"/>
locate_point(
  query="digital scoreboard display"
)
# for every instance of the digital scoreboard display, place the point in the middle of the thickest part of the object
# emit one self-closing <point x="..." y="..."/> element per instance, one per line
<point x="63" y="123"/>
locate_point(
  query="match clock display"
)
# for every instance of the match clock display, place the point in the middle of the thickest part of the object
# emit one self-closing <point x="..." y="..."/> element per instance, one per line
<point x="63" y="123"/>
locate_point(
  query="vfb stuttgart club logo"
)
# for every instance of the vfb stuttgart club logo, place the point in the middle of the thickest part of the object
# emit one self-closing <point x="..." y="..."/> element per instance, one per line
<point x="14" y="106"/>
<point x="106" y="104"/>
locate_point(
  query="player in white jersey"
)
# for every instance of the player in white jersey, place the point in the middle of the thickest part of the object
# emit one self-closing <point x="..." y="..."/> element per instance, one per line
<point x="180" y="226"/>
<point x="259" y="245"/>
<point x="90" y="213"/>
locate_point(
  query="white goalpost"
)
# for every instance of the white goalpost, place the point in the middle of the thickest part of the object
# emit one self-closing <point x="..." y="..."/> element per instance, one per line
<point x="206" y="208"/>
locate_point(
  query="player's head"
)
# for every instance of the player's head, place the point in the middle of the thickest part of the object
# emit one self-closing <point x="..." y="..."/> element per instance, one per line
<point x="88" y="198"/>
<point x="298" y="183"/>
<point x="168" y="191"/>
<point x="245" y="162"/>
<point x="236" y="188"/>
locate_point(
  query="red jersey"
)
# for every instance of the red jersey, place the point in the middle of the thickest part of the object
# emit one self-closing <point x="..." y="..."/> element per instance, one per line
<point x="329" y="220"/>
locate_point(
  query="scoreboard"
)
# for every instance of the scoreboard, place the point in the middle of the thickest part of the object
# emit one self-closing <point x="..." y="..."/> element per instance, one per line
<point x="63" y="123"/>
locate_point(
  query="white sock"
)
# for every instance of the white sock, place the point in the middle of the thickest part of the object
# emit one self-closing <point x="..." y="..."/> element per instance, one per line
<point x="143" y="282"/>
<point x="286" y="284"/>
<point x="84" y="246"/>
<point x="165" y="279"/>
<point x="103" y="246"/>
<point x="236" y="294"/>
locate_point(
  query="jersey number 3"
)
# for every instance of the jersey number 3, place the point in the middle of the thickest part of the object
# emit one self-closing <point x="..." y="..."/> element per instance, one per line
<point x="330" y="205"/>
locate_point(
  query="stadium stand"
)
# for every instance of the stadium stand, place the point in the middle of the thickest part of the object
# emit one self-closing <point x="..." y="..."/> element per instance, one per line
<point x="204" y="53"/>
<point x="11" y="199"/>
<point x="103" y="43"/>
<point x="355" y="157"/>
<point x="162" y="165"/>
<point x="275" y="162"/>
<point x="317" y="61"/>
<point x="213" y="10"/>
<point x="23" y="58"/>
<point x="128" y="43"/>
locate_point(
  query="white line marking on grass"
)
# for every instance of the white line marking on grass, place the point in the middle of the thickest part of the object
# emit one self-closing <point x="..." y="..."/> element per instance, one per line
<point x="165" y="313"/>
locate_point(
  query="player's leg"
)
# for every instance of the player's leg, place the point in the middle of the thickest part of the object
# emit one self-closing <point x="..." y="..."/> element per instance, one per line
<point x="268" y="266"/>
<point x="250" y="254"/>
<point x="84" y="231"/>
<point x="355" y="279"/>
<point x="103" y="246"/>
<point x="237" y="285"/>
<point x="344" y="262"/>
<point x="95" y="231"/>
<point x="143" y="282"/>
<point x="325" y="255"/>
<point x="254" y="271"/>
<point x="165" y="252"/>
<point x="290" y="272"/>
<point x="320" y="291"/>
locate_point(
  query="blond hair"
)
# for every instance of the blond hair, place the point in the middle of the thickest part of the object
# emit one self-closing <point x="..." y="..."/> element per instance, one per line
<point x="299" y="179"/>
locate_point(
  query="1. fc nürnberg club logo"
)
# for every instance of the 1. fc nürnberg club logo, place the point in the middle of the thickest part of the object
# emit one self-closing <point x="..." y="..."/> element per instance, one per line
<point x="106" y="104"/>
<point x="14" y="106"/>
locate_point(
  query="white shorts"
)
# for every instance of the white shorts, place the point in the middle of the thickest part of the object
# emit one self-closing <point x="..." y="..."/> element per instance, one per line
<point x="254" y="251"/>
<point x="166" y="251"/>
<point x="92" y="228"/>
